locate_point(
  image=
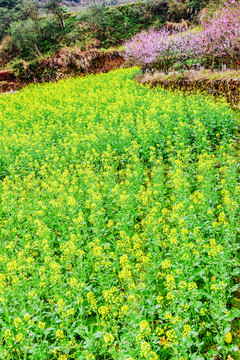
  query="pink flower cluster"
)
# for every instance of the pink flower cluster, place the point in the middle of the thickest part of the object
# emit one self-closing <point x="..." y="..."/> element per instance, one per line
<point x="217" y="41"/>
<point x="220" y="39"/>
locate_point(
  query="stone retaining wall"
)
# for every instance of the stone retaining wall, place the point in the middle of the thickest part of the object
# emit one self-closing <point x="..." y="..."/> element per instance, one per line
<point x="230" y="89"/>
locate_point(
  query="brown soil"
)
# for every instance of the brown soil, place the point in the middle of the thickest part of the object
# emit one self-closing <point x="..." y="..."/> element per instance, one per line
<point x="8" y="81"/>
<point x="99" y="63"/>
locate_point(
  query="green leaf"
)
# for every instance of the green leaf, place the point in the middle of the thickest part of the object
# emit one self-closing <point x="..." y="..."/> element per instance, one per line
<point x="197" y="357"/>
<point x="227" y="329"/>
<point x="234" y="288"/>
<point x="98" y="334"/>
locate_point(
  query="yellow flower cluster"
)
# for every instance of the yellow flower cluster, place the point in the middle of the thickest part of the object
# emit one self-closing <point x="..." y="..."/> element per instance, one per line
<point x="118" y="221"/>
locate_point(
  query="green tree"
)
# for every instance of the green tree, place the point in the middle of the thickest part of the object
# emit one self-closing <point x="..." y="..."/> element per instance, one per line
<point x="10" y="11"/>
<point x="55" y="7"/>
<point x="9" y="4"/>
<point x="26" y="36"/>
<point x="30" y="9"/>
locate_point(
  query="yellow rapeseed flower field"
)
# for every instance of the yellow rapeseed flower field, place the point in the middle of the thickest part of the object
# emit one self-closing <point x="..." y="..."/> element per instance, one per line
<point x="118" y="222"/>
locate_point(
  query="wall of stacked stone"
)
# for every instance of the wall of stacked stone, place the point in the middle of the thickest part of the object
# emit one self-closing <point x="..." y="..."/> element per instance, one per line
<point x="229" y="89"/>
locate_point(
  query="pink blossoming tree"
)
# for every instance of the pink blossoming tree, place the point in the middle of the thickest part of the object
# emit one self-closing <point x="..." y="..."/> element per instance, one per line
<point x="217" y="41"/>
<point x="220" y="39"/>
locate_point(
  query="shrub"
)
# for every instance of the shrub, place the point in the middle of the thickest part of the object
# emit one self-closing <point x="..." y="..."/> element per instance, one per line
<point x="177" y="10"/>
<point x="18" y="68"/>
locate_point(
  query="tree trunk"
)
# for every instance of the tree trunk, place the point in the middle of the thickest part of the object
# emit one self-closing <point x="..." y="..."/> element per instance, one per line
<point x="37" y="52"/>
<point x="62" y="22"/>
